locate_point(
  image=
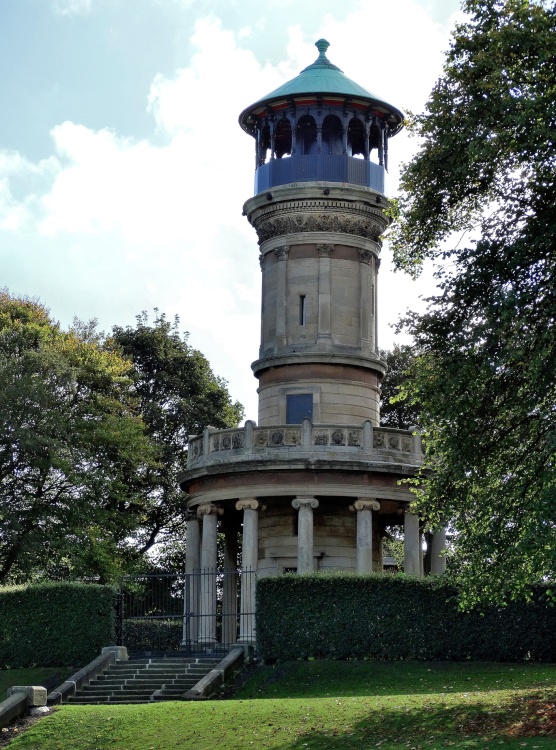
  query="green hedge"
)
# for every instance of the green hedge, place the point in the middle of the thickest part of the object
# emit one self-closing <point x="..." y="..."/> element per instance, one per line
<point x="394" y="617"/>
<point x="55" y="624"/>
<point x="152" y="635"/>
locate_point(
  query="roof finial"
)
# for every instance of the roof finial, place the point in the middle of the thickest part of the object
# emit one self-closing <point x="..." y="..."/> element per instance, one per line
<point x="322" y="45"/>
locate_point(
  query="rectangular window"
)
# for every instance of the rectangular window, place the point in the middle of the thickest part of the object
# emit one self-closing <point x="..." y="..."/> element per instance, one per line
<point x="298" y="407"/>
<point x="302" y="310"/>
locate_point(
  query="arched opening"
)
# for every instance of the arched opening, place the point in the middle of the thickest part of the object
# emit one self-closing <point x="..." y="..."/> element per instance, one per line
<point x="265" y="143"/>
<point x="356" y="138"/>
<point x="332" y="135"/>
<point x="283" y="143"/>
<point x="375" y="142"/>
<point x="306" y="135"/>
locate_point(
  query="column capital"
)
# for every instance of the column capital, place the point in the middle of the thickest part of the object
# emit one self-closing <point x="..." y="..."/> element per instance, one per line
<point x="208" y="509"/>
<point x="305" y="502"/>
<point x="364" y="503"/>
<point x="325" y="250"/>
<point x="281" y="252"/>
<point x="365" y="256"/>
<point x="249" y="503"/>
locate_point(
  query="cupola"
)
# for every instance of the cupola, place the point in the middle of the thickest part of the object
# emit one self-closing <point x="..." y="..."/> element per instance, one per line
<point x="321" y="126"/>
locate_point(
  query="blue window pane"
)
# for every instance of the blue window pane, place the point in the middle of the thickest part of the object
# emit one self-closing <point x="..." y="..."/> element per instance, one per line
<point x="298" y="407"/>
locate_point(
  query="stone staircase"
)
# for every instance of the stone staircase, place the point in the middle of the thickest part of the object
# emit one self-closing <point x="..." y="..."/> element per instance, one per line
<point x="146" y="680"/>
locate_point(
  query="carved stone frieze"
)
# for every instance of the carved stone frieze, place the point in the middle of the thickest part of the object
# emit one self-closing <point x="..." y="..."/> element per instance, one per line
<point x="261" y="439"/>
<point x="238" y="440"/>
<point x="268" y="227"/>
<point x="197" y="448"/>
<point x="337" y="438"/>
<point x="407" y="444"/>
<point x="354" y="438"/>
<point x="393" y="442"/>
<point x="325" y="250"/>
<point x="378" y="440"/>
<point x="293" y="437"/>
<point x="277" y="437"/>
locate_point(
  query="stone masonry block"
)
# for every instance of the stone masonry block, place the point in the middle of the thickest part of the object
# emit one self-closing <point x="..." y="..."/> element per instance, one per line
<point x="36" y="694"/>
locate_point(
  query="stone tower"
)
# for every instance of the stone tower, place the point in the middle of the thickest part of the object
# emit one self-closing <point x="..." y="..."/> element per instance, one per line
<point x="314" y="485"/>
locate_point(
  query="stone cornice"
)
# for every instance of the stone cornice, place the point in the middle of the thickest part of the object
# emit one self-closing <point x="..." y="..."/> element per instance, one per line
<point x="305" y="357"/>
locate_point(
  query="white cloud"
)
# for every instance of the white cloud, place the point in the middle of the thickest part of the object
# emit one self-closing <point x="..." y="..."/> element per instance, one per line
<point x="159" y="220"/>
<point x="71" y="7"/>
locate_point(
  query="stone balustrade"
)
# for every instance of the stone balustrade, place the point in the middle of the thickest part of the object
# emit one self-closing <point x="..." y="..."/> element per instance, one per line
<point x="348" y="442"/>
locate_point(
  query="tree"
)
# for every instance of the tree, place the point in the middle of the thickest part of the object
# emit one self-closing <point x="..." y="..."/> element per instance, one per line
<point x="396" y="411"/>
<point x="71" y="449"/>
<point x="178" y="396"/>
<point x="484" y="375"/>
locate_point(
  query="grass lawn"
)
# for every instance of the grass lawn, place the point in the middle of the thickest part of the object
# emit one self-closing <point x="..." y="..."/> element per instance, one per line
<point x="31" y="676"/>
<point x="337" y="705"/>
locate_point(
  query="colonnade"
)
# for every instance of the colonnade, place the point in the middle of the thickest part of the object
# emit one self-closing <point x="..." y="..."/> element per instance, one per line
<point x="202" y="559"/>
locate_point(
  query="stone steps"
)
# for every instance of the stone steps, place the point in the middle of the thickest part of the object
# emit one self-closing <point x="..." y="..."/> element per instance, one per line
<point x="145" y="680"/>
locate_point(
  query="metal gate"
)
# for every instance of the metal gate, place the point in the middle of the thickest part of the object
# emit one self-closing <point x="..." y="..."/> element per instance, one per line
<point x="204" y="611"/>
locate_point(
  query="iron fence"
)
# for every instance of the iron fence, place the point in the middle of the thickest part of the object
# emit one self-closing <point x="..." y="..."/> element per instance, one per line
<point x="207" y="610"/>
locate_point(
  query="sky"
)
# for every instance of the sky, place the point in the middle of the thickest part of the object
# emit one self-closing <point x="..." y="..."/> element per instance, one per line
<point x="123" y="170"/>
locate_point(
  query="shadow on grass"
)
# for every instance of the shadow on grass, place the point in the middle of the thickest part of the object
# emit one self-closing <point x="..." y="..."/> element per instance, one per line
<point x="429" y="726"/>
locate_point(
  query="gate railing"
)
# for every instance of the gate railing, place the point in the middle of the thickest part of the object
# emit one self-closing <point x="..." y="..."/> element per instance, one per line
<point x="176" y="612"/>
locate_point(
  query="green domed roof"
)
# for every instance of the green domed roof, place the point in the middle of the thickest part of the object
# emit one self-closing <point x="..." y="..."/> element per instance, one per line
<point x="322" y="78"/>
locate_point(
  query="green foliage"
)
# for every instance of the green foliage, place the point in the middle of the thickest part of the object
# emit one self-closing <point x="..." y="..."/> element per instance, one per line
<point x="396" y="411"/>
<point x="488" y="130"/>
<point x="178" y="396"/>
<point x="385" y="617"/>
<point x="72" y="447"/>
<point x="484" y="372"/>
<point x="55" y="624"/>
<point x="152" y="635"/>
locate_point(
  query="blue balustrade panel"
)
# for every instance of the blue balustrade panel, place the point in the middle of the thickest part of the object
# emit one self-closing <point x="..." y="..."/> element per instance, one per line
<point x="318" y="167"/>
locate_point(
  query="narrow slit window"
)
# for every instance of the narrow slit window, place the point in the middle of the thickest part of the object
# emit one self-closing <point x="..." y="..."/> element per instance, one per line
<point x="302" y="310"/>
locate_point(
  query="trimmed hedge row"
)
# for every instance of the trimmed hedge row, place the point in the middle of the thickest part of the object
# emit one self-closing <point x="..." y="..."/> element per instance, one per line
<point x="55" y="624"/>
<point x="152" y="635"/>
<point x="394" y="618"/>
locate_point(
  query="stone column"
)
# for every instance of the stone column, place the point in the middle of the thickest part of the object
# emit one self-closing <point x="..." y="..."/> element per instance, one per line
<point x="324" y="332"/>
<point x="365" y="285"/>
<point x="207" y="609"/>
<point x="305" y="507"/>
<point x="191" y="589"/>
<point x="438" y="557"/>
<point x="249" y="560"/>
<point x="364" y="507"/>
<point x="411" y="547"/>
<point x="281" y="254"/>
<point x="229" y="588"/>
